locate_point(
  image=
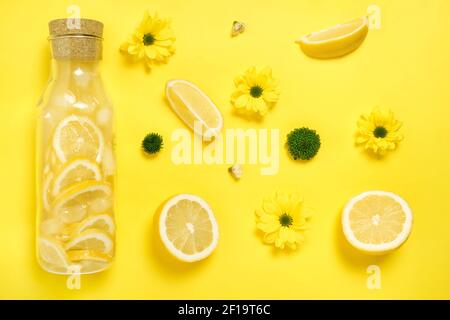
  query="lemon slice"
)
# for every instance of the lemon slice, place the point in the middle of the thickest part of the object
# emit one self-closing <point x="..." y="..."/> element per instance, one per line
<point x="335" y="41"/>
<point x="52" y="253"/>
<point x="87" y="255"/>
<point x="188" y="228"/>
<point x="77" y="136"/>
<point x="46" y="191"/>
<point x="193" y="106"/>
<point x="82" y="198"/>
<point x="96" y="240"/>
<point x="102" y="222"/>
<point x="377" y="221"/>
<point x="75" y="171"/>
<point x="108" y="161"/>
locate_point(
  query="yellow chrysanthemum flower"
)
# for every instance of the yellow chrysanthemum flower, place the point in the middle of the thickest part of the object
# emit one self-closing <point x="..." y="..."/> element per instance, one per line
<point x="379" y="131"/>
<point x="153" y="41"/>
<point x="255" y="91"/>
<point x="283" y="220"/>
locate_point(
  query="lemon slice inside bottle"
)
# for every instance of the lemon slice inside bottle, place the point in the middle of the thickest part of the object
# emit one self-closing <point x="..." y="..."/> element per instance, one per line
<point x="95" y="240"/>
<point x="88" y="197"/>
<point x="47" y="180"/>
<point x="102" y="222"/>
<point x="75" y="171"/>
<point x="52" y="253"/>
<point x="87" y="255"/>
<point x="78" y="136"/>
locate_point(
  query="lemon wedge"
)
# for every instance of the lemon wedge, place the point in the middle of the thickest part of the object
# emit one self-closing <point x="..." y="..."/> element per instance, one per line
<point x="78" y="136"/>
<point x="336" y="41"/>
<point x="80" y="199"/>
<point x="96" y="240"/>
<point x="188" y="228"/>
<point x="377" y="221"/>
<point x="74" y="172"/>
<point x="193" y="106"/>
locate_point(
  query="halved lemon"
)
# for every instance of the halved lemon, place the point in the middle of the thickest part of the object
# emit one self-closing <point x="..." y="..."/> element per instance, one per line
<point x="377" y="221"/>
<point x="102" y="222"/>
<point x="78" y="136"/>
<point x="82" y="198"/>
<point x="188" y="228"/>
<point x="52" y="253"/>
<point x="193" y="107"/>
<point x="335" y="41"/>
<point x="74" y="172"/>
<point x="96" y="240"/>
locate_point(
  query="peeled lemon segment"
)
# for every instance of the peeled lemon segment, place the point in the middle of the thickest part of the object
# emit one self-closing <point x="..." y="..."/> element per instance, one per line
<point x="377" y="221"/>
<point x="102" y="222"/>
<point x="88" y="197"/>
<point x="75" y="171"/>
<point x="193" y="106"/>
<point x="96" y="240"/>
<point x="188" y="228"/>
<point x="336" y="41"/>
<point x="52" y="253"/>
<point x="78" y="136"/>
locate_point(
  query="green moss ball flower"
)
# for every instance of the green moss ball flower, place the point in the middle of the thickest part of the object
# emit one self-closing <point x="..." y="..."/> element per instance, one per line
<point x="152" y="143"/>
<point x="303" y="143"/>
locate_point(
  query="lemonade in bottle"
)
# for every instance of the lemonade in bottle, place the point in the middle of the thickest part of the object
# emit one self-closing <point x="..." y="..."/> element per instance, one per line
<point x="75" y="155"/>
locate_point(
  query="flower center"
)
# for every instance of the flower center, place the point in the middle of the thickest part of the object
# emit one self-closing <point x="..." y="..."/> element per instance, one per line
<point x="148" y="39"/>
<point x="380" y="132"/>
<point x="285" y="220"/>
<point x="256" y="91"/>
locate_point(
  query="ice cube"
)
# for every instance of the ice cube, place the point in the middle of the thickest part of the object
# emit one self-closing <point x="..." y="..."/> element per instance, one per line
<point x="65" y="99"/>
<point x="82" y="78"/>
<point x="104" y="116"/>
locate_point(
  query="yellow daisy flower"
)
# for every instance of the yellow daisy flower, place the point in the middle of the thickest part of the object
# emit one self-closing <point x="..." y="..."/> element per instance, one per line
<point x="282" y="220"/>
<point x="379" y="131"/>
<point x="255" y="91"/>
<point x="153" y="41"/>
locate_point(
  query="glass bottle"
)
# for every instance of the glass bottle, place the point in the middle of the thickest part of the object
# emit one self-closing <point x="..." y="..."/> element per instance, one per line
<point x="75" y="155"/>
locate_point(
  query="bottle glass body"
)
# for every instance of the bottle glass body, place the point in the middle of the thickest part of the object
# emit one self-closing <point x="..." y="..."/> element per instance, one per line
<point x="75" y="170"/>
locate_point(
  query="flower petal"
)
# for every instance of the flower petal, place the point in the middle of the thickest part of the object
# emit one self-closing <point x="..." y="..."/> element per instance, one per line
<point x="271" y="207"/>
<point x="241" y="101"/>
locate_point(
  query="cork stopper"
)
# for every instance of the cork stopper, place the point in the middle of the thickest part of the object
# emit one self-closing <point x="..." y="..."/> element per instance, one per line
<point x="76" y="39"/>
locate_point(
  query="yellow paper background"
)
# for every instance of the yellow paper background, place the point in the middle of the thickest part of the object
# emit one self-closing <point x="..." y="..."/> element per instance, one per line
<point x="405" y="65"/>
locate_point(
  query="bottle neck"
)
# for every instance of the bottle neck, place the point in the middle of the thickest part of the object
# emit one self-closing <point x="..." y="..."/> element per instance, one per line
<point x="66" y="69"/>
